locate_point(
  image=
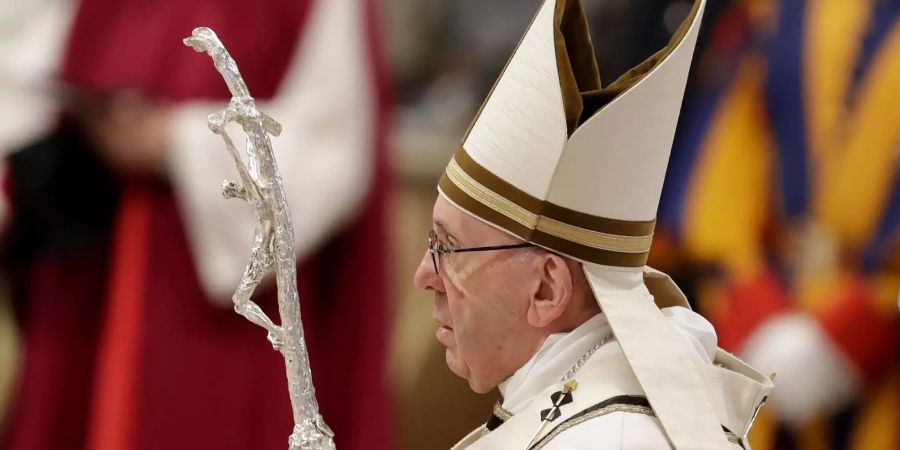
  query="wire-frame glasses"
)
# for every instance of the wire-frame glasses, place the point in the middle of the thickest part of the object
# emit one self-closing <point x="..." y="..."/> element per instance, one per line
<point x="437" y="248"/>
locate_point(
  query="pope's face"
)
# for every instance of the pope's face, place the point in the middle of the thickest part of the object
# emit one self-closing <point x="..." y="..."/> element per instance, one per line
<point x="480" y="299"/>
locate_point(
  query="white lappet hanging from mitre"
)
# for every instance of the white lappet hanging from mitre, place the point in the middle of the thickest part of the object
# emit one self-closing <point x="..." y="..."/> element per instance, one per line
<point x="557" y="160"/>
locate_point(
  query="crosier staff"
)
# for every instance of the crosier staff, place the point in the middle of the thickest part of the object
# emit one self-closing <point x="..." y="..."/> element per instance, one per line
<point x="273" y="241"/>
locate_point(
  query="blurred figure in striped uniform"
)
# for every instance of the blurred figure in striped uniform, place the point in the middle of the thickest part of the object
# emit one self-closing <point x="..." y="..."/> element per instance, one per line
<point x="783" y="197"/>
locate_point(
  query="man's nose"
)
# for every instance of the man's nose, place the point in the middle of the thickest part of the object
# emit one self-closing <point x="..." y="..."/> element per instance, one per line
<point x="425" y="278"/>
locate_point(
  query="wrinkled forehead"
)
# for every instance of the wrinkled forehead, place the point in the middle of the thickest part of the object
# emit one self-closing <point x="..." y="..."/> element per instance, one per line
<point x="448" y="218"/>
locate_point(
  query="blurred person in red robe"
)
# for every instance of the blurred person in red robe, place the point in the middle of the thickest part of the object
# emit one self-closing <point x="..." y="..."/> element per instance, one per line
<point x="122" y="255"/>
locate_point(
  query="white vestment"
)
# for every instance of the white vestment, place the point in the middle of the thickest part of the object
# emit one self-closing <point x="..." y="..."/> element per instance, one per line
<point x="608" y="410"/>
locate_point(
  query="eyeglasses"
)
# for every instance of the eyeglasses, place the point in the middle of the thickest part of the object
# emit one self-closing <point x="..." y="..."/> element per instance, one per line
<point x="436" y="248"/>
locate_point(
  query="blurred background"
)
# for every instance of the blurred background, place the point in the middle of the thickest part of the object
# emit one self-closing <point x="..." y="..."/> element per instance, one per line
<point x="780" y="215"/>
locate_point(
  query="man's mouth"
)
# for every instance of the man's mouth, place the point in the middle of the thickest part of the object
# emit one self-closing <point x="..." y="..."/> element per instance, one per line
<point x="444" y="334"/>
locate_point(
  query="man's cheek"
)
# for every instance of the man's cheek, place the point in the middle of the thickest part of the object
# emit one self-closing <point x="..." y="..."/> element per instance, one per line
<point x="457" y="294"/>
<point x="457" y="279"/>
<point x="471" y="339"/>
<point x="460" y="274"/>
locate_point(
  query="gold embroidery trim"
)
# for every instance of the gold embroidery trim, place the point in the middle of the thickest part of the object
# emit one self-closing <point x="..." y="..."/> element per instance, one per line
<point x="595" y="239"/>
<point x="489" y="198"/>
<point x="578" y="235"/>
<point x="501" y="413"/>
<point x="635" y="409"/>
<point x="505" y="415"/>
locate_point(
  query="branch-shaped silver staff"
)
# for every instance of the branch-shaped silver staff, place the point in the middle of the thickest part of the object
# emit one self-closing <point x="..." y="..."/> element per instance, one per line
<point x="273" y="241"/>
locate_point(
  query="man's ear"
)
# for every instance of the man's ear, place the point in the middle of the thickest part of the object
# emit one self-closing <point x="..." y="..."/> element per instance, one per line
<point x="553" y="294"/>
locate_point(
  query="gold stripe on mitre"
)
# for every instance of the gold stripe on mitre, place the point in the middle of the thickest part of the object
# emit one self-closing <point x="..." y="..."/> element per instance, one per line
<point x="582" y="236"/>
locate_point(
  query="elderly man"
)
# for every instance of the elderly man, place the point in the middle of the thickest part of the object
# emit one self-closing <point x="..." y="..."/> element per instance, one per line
<point x="536" y="259"/>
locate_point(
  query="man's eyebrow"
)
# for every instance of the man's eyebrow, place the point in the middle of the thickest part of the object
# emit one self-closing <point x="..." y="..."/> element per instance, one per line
<point x="442" y="227"/>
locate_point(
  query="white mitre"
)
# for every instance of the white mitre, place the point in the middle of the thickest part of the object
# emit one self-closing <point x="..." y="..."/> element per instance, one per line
<point x="558" y="161"/>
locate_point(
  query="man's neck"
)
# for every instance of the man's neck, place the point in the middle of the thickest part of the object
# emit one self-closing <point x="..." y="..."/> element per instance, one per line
<point x="550" y="362"/>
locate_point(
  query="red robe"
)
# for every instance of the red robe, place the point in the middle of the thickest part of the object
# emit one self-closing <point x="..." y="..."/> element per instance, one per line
<point x="123" y="350"/>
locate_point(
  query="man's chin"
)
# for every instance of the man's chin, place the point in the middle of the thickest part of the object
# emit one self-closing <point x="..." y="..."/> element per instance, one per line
<point x="480" y="388"/>
<point x="456" y="365"/>
<point x="460" y="369"/>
